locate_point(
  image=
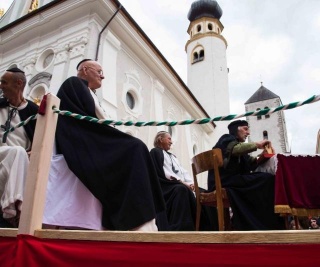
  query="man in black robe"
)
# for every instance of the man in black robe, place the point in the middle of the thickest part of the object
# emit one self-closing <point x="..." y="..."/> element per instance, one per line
<point x="177" y="189"/>
<point x="14" y="145"/>
<point x="251" y="193"/>
<point x="113" y="165"/>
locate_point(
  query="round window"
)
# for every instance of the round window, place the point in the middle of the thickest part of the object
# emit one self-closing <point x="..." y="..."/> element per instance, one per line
<point x="45" y="60"/>
<point x="130" y="100"/>
<point x="48" y="59"/>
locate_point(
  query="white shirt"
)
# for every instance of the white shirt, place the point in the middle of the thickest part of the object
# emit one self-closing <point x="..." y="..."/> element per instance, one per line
<point x="172" y="168"/>
<point x="19" y="136"/>
<point x="101" y="114"/>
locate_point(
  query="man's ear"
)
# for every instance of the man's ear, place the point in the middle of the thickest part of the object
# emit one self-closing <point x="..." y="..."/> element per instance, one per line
<point x="19" y="82"/>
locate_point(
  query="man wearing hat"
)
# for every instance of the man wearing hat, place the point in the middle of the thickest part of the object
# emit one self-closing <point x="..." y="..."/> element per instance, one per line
<point x="14" y="145"/>
<point x="251" y="194"/>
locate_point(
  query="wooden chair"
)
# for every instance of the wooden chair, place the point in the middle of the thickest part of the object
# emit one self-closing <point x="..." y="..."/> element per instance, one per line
<point x="211" y="160"/>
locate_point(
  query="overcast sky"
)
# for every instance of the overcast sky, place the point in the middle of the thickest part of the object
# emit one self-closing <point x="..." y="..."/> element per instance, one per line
<point x="273" y="41"/>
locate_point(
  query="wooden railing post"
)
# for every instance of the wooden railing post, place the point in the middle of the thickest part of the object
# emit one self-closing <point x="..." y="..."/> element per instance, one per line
<point x="38" y="171"/>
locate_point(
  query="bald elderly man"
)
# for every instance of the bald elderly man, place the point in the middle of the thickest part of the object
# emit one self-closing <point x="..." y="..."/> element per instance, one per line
<point x="114" y="166"/>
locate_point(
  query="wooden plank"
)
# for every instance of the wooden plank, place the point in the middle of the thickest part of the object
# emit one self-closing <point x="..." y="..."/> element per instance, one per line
<point x="38" y="171"/>
<point x="8" y="232"/>
<point x="250" y="237"/>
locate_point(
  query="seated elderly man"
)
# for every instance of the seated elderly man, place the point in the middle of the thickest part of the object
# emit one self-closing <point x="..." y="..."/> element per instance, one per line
<point x="251" y="193"/>
<point x="14" y="160"/>
<point x="114" y="166"/>
<point x="177" y="189"/>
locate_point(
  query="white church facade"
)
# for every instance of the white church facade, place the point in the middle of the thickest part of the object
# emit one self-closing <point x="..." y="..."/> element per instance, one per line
<point x="47" y="39"/>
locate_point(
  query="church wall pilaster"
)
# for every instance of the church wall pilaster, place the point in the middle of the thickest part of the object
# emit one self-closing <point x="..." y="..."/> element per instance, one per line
<point x="28" y="67"/>
<point x="60" y="67"/>
<point x="77" y="51"/>
<point x="108" y="58"/>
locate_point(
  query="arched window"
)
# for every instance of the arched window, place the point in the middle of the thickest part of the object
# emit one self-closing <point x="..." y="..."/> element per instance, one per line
<point x="197" y="54"/>
<point x="39" y="85"/>
<point x="267" y="115"/>
<point x="265" y="135"/>
<point x="37" y="93"/>
<point x="259" y="116"/>
<point x="201" y="55"/>
<point x="199" y="28"/>
<point x="210" y="27"/>
<point x="195" y="57"/>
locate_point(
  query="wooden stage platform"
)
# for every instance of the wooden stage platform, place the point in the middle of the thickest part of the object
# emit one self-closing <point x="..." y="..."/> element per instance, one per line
<point x="30" y="245"/>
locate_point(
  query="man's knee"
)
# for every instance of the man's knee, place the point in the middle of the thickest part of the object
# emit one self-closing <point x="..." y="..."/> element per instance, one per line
<point x="18" y="151"/>
<point x="14" y="153"/>
<point x="181" y="189"/>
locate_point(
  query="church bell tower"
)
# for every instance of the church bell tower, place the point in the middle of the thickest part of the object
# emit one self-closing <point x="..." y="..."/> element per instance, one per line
<point x="270" y="126"/>
<point x="207" y="63"/>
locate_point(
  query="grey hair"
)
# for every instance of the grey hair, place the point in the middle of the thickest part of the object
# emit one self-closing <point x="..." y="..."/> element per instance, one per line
<point x="158" y="137"/>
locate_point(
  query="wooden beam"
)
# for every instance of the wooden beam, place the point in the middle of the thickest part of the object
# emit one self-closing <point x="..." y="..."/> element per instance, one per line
<point x="221" y="237"/>
<point x="38" y="171"/>
<point x="8" y="232"/>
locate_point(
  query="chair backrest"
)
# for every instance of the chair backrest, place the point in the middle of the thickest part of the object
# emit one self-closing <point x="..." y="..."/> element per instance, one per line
<point x="207" y="160"/>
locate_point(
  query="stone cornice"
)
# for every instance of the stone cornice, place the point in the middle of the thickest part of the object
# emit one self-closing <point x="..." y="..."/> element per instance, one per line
<point x="208" y="34"/>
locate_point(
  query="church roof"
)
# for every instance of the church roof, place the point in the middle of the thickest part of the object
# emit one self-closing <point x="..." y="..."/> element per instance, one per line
<point x="261" y="94"/>
<point x="12" y="17"/>
<point x="204" y="8"/>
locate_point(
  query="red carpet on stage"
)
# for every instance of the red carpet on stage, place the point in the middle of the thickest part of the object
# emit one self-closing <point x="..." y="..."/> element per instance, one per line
<point x="31" y="251"/>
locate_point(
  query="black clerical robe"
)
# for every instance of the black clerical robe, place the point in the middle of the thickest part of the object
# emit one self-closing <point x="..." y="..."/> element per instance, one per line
<point x="113" y="165"/>
<point x="251" y="194"/>
<point x="179" y="199"/>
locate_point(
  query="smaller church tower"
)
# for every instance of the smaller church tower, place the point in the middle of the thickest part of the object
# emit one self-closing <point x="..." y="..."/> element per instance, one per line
<point x="207" y="63"/>
<point x="271" y="126"/>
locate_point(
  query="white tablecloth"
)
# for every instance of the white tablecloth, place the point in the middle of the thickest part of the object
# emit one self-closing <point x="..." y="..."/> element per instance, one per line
<point x="269" y="166"/>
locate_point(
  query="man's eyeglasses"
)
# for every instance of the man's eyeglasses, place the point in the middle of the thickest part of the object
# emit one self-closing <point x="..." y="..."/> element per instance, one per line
<point x="100" y="72"/>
